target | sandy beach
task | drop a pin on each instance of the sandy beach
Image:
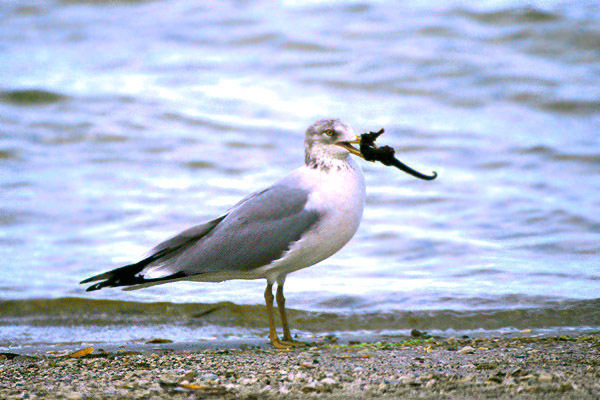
(523, 367)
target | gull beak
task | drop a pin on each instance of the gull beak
(348, 146)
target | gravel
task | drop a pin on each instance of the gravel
(564, 367)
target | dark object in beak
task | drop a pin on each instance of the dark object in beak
(348, 146)
(385, 155)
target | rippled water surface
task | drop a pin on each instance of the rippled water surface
(125, 122)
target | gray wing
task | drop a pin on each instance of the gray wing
(132, 274)
(186, 238)
(255, 232)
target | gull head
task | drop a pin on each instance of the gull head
(329, 142)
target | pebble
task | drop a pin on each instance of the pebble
(406, 379)
(327, 381)
(511, 368)
(545, 377)
(210, 377)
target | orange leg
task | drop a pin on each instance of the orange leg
(287, 337)
(272, 332)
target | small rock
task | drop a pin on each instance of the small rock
(247, 381)
(364, 353)
(467, 350)
(510, 381)
(485, 365)
(498, 377)
(516, 372)
(310, 388)
(417, 333)
(8, 356)
(188, 377)
(545, 377)
(210, 377)
(528, 377)
(266, 389)
(565, 387)
(284, 389)
(327, 381)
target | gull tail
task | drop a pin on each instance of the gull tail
(131, 275)
(128, 275)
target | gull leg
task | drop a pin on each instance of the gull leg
(287, 337)
(272, 332)
(281, 306)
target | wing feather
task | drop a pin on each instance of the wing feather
(255, 232)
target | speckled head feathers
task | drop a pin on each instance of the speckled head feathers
(322, 137)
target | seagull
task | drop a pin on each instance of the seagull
(302, 219)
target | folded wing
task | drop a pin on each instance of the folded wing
(255, 232)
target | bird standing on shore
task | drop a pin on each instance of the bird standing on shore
(300, 220)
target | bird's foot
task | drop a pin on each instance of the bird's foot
(280, 344)
(295, 343)
(287, 343)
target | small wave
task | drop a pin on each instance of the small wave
(85, 312)
(555, 155)
(511, 16)
(9, 154)
(31, 97)
(580, 107)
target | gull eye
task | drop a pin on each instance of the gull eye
(329, 132)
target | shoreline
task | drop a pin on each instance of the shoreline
(525, 367)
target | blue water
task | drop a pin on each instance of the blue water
(125, 122)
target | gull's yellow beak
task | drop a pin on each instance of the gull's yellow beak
(348, 146)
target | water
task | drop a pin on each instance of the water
(123, 123)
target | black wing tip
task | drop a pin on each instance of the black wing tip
(100, 277)
(106, 282)
(97, 286)
(113, 281)
(128, 275)
(117, 281)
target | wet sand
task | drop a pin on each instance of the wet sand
(559, 367)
